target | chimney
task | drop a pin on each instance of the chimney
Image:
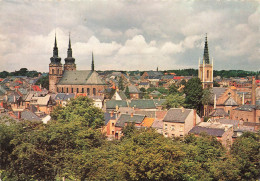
(38, 108)
(182, 109)
(132, 115)
(19, 114)
(253, 95)
(194, 117)
(116, 107)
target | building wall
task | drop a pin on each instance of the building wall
(55, 74)
(69, 67)
(247, 116)
(206, 77)
(78, 89)
(172, 129)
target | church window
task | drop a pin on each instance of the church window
(52, 71)
(62, 89)
(71, 90)
(67, 90)
(58, 71)
(94, 91)
(57, 89)
(82, 90)
(77, 90)
(207, 73)
(88, 91)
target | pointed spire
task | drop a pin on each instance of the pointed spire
(206, 51)
(55, 42)
(55, 48)
(69, 41)
(69, 52)
(92, 64)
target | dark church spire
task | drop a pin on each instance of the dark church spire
(92, 64)
(69, 60)
(69, 52)
(206, 51)
(55, 48)
(55, 59)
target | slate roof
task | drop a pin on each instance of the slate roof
(235, 123)
(64, 96)
(218, 112)
(81, 77)
(158, 124)
(150, 114)
(126, 118)
(158, 102)
(133, 89)
(218, 91)
(154, 73)
(41, 100)
(112, 104)
(28, 115)
(248, 107)
(230, 102)
(107, 117)
(144, 83)
(209, 131)
(176, 115)
(142, 104)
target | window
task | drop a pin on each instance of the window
(94, 91)
(166, 134)
(57, 89)
(113, 132)
(165, 126)
(77, 90)
(82, 90)
(207, 73)
(181, 135)
(67, 90)
(58, 71)
(52, 71)
(173, 135)
(88, 91)
(181, 128)
(172, 127)
(71, 90)
(228, 112)
(113, 124)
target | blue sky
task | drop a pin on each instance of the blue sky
(130, 35)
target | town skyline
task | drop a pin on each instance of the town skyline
(130, 35)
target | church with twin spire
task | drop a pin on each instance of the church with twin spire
(67, 79)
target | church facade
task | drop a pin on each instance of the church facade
(205, 71)
(67, 79)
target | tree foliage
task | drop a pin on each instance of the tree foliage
(127, 93)
(44, 81)
(174, 101)
(194, 92)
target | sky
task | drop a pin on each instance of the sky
(130, 34)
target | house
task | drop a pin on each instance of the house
(44, 104)
(119, 95)
(115, 104)
(179, 121)
(134, 92)
(109, 126)
(145, 85)
(125, 119)
(63, 98)
(223, 132)
(218, 113)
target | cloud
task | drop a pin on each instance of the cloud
(130, 34)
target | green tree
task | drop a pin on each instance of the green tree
(127, 93)
(142, 89)
(44, 81)
(194, 92)
(173, 89)
(174, 101)
(121, 84)
(245, 150)
(206, 99)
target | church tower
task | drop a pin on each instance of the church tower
(206, 68)
(55, 69)
(69, 61)
(92, 64)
